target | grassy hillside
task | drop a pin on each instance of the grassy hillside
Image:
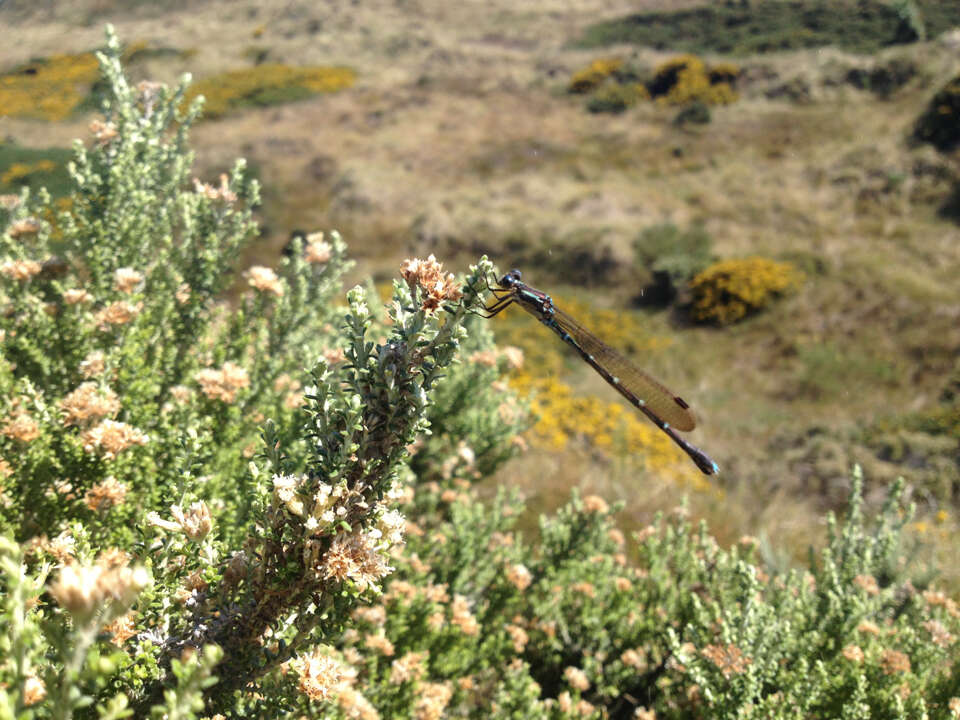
(458, 136)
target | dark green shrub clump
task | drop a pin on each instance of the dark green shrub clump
(940, 124)
(673, 256)
(616, 98)
(884, 79)
(743, 28)
(696, 113)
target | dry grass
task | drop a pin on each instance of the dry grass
(458, 138)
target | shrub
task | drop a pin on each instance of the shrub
(59, 86)
(591, 77)
(940, 124)
(268, 84)
(133, 398)
(617, 98)
(883, 79)
(686, 78)
(50, 89)
(724, 72)
(696, 113)
(33, 168)
(567, 624)
(673, 256)
(732, 289)
(747, 28)
(923, 446)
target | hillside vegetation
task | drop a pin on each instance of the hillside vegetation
(770, 227)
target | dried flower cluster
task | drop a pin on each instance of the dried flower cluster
(729, 659)
(34, 691)
(110, 438)
(195, 523)
(519, 577)
(265, 280)
(354, 557)
(26, 226)
(93, 364)
(126, 279)
(75, 296)
(321, 675)
(317, 251)
(432, 701)
(120, 312)
(82, 590)
(21, 426)
(20, 269)
(217, 194)
(104, 495)
(868, 583)
(409, 668)
(853, 653)
(88, 403)
(428, 276)
(103, 132)
(576, 678)
(462, 617)
(894, 661)
(224, 383)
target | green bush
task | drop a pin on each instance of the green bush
(884, 79)
(696, 113)
(616, 98)
(33, 168)
(673, 257)
(134, 399)
(745, 28)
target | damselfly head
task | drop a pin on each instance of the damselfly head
(510, 278)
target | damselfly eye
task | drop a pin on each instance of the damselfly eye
(510, 278)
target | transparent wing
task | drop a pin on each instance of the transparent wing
(656, 397)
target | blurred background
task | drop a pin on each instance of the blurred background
(758, 201)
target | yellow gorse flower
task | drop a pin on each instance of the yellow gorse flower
(264, 84)
(730, 290)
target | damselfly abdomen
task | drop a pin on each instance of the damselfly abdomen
(667, 411)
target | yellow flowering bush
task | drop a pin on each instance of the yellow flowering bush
(679, 81)
(50, 89)
(610, 427)
(687, 78)
(19, 171)
(267, 85)
(730, 290)
(54, 88)
(591, 77)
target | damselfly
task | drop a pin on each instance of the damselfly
(666, 410)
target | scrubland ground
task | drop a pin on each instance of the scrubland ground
(459, 138)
